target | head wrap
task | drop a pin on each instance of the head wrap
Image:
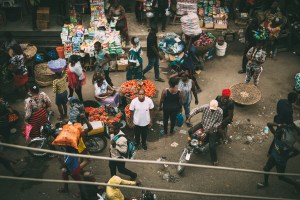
(226, 92)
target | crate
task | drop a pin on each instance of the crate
(43, 14)
(41, 25)
(209, 25)
(220, 26)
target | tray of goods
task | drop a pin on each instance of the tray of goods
(57, 65)
(245, 94)
(130, 89)
(205, 42)
(104, 114)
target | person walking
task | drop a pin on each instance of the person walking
(211, 120)
(256, 59)
(171, 104)
(278, 155)
(141, 109)
(36, 110)
(118, 146)
(153, 54)
(102, 62)
(135, 65)
(249, 41)
(76, 76)
(285, 109)
(187, 88)
(61, 93)
(160, 7)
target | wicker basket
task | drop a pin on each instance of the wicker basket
(29, 50)
(43, 73)
(43, 83)
(204, 49)
(245, 94)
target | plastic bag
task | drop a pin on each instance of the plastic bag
(26, 131)
(179, 119)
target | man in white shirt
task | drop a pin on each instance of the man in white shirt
(141, 109)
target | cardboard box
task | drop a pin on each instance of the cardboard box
(43, 14)
(209, 25)
(41, 25)
(220, 26)
(122, 64)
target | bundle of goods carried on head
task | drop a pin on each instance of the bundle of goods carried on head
(57, 65)
(131, 88)
(104, 113)
(69, 136)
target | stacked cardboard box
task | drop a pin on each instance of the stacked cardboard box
(43, 18)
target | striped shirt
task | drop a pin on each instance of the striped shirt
(210, 119)
(60, 85)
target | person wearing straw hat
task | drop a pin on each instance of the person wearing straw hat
(212, 118)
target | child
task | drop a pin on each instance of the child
(102, 62)
(70, 166)
(60, 89)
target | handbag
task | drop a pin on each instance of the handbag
(179, 119)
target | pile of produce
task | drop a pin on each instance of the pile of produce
(12, 117)
(101, 114)
(131, 88)
(127, 112)
(205, 39)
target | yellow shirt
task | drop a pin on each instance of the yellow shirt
(60, 85)
(113, 193)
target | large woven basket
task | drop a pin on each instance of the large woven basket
(29, 50)
(43, 73)
(245, 94)
(43, 83)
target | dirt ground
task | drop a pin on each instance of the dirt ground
(276, 81)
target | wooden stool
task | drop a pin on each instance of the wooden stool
(176, 19)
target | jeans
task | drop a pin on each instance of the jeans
(153, 61)
(212, 141)
(113, 165)
(187, 108)
(140, 132)
(78, 92)
(280, 167)
(172, 116)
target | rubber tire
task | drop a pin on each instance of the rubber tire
(38, 143)
(99, 138)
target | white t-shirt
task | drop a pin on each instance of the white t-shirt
(141, 111)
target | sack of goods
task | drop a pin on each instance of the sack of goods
(69, 136)
(190, 24)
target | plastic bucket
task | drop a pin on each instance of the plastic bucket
(221, 49)
(60, 52)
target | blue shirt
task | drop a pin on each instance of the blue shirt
(71, 162)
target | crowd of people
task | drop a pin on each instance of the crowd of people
(216, 115)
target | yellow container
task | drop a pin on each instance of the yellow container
(98, 127)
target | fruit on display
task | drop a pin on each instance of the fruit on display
(205, 39)
(12, 117)
(131, 88)
(100, 114)
(127, 111)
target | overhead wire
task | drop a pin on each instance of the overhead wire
(150, 161)
(146, 188)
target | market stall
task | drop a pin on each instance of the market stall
(79, 40)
